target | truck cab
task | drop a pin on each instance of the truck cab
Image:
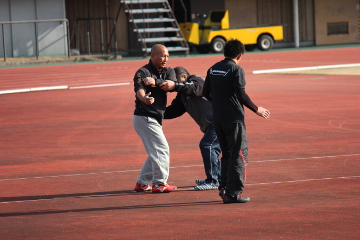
(212, 35)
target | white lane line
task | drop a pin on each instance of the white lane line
(100, 85)
(188, 166)
(303, 180)
(15, 91)
(292, 159)
(36, 89)
(63, 87)
(57, 198)
(305, 68)
(118, 194)
(69, 175)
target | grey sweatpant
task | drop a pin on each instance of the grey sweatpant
(156, 166)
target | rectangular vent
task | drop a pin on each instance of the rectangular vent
(338, 28)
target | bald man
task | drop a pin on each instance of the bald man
(150, 105)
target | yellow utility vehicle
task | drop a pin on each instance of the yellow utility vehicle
(216, 31)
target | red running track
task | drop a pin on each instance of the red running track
(83, 74)
(69, 158)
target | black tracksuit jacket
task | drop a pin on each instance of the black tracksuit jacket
(225, 87)
(189, 99)
(157, 109)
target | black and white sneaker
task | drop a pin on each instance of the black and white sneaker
(206, 186)
(199, 181)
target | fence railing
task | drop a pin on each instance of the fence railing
(36, 33)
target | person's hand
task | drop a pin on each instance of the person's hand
(149, 81)
(168, 85)
(147, 99)
(262, 112)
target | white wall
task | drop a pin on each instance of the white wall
(20, 38)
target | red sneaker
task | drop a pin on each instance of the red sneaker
(142, 188)
(163, 188)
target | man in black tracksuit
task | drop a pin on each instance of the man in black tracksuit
(225, 87)
(189, 99)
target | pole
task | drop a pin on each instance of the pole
(68, 38)
(36, 41)
(296, 23)
(3, 35)
(115, 39)
(88, 36)
(101, 37)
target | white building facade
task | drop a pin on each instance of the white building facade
(33, 28)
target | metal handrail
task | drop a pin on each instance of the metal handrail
(36, 33)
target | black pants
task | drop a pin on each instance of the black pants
(234, 147)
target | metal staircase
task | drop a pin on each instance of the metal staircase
(154, 22)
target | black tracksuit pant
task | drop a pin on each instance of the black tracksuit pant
(234, 147)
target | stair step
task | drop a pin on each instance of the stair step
(142, 1)
(135, 8)
(148, 10)
(152, 20)
(154, 30)
(162, 39)
(170, 49)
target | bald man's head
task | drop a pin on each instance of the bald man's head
(159, 55)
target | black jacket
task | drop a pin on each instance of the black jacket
(225, 87)
(157, 109)
(189, 99)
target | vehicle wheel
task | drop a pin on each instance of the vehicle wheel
(265, 42)
(217, 45)
(203, 48)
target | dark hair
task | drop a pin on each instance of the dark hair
(233, 48)
(180, 71)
